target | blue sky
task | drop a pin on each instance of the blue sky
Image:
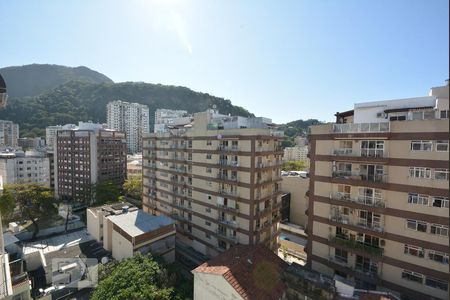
(281, 59)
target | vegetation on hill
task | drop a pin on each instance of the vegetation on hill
(82, 101)
(296, 128)
(32, 80)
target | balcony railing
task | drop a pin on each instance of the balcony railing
(227, 148)
(225, 207)
(223, 191)
(231, 163)
(374, 153)
(359, 176)
(231, 238)
(365, 200)
(361, 127)
(228, 178)
(344, 219)
(229, 223)
(353, 244)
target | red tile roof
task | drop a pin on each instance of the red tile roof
(253, 271)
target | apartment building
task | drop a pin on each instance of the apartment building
(124, 230)
(50, 134)
(130, 118)
(25, 167)
(9, 133)
(169, 118)
(219, 177)
(86, 155)
(295, 153)
(379, 196)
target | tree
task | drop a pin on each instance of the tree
(296, 165)
(133, 186)
(106, 192)
(34, 201)
(7, 204)
(139, 277)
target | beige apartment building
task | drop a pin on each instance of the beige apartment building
(219, 177)
(379, 196)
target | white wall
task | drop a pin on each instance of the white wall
(212, 286)
(121, 247)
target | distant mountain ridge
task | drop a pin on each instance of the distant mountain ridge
(82, 95)
(32, 80)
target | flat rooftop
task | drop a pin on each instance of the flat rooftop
(138, 222)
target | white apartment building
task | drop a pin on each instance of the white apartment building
(295, 153)
(166, 118)
(9, 133)
(25, 167)
(50, 133)
(130, 118)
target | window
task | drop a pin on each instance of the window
(439, 229)
(412, 276)
(442, 146)
(418, 172)
(340, 255)
(436, 283)
(208, 156)
(421, 145)
(207, 223)
(417, 199)
(207, 236)
(441, 174)
(208, 210)
(208, 143)
(416, 225)
(438, 256)
(444, 114)
(440, 202)
(372, 148)
(414, 251)
(208, 170)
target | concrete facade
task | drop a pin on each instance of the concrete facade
(9, 133)
(297, 186)
(130, 118)
(222, 185)
(378, 196)
(25, 167)
(295, 153)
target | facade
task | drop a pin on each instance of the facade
(86, 155)
(125, 230)
(31, 143)
(134, 164)
(300, 141)
(50, 134)
(166, 118)
(9, 133)
(295, 153)
(242, 272)
(378, 198)
(221, 181)
(25, 167)
(297, 186)
(130, 118)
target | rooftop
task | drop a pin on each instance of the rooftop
(138, 222)
(253, 271)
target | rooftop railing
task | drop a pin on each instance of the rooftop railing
(361, 127)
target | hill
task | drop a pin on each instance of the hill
(83, 101)
(32, 80)
(296, 128)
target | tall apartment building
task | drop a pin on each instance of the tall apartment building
(25, 167)
(131, 118)
(9, 133)
(86, 155)
(219, 178)
(379, 196)
(295, 153)
(169, 118)
(50, 134)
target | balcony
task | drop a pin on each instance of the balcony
(380, 178)
(345, 219)
(228, 223)
(372, 153)
(226, 192)
(353, 244)
(339, 261)
(227, 178)
(229, 163)
(228, 208)
(229, 237)
(227, 148)
(364, 200)
(178, 217)
(361, 127)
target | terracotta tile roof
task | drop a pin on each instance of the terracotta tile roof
(253, 271)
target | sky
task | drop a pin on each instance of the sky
(282, 59)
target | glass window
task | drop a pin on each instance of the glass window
(441, 174)
(444, 114)
(442, 146)
(412, 276)
(438, 256)
(436, 283)
(416, 225)
(439, 229)
(419, 172)
(421, 145)
(417, 199)
(440, 202)
(414, 251)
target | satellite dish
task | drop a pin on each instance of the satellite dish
(104, 260)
